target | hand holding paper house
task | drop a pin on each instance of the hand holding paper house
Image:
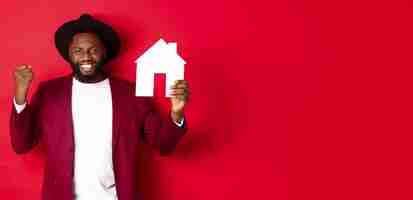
(162, 57)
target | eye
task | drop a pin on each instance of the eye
(95, 50)
(76, 51)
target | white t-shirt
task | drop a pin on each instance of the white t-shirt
(92, 122)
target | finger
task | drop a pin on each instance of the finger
(20, 67)
(180, 95)
(175, 94)
(23, 73)
(178, 91)
(26, 69)
(179, 86)
(177, 82)
(174, 87)
(26, 66)
(182, 85)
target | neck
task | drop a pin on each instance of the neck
(91, 79)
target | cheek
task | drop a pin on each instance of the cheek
(98, 58)
(74, 58)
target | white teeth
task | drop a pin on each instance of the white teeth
(87, 66)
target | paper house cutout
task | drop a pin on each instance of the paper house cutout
(161, 58)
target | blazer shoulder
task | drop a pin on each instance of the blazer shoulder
(129, 87)
(126, 84)
(55, 83)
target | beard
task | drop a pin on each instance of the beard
(91, 78)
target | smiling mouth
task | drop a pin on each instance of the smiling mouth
(86, 67)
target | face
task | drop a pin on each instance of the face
(87, 54)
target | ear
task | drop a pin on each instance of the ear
(105, 53)
(69, 53)
(69, 47)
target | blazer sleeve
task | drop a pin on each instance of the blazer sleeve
(161, 132)
(25, 126)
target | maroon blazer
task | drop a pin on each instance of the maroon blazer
(48, 117)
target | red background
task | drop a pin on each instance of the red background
(291, 99)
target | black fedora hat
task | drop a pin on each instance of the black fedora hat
(86, 23)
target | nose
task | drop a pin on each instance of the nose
(86, 56)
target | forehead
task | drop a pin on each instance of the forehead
(86, 38)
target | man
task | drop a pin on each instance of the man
(90, 123)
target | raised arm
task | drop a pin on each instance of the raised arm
(162, 133)
(165, 133)
(24, 130)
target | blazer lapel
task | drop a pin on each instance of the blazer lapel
(116, 103)
(64, 98)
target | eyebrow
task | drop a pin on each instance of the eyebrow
(72, 46)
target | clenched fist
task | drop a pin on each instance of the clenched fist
(23, 76)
